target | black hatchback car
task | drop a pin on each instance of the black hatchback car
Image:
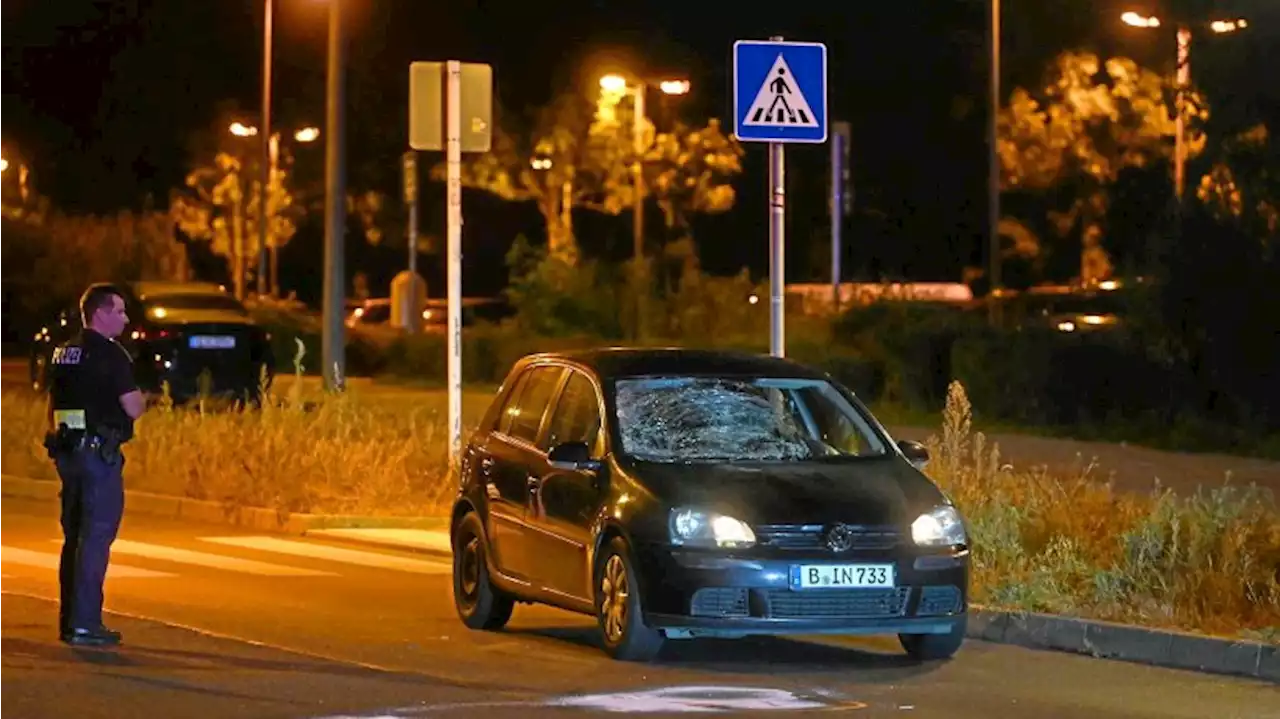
(193, 337)
(676, 494)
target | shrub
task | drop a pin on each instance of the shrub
(1209, 562)
(909, 346)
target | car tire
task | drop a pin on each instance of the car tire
(618, 607)
(479, 604)
(933, 647)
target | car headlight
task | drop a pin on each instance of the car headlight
(692, 528)
(939, 527)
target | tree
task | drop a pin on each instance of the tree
(1069, 143)
(221, 206)
(565, 161)
(1243, 186)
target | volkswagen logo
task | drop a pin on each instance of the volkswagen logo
(840, 538)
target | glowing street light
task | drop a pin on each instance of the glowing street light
(1223, 27)
(674, 87)
(4, 164)
(240, 129)
(613, 83)
(1183, 79)
(1136, 20)
(540, 163)
(307, 134)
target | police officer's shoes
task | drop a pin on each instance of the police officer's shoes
(91, 637)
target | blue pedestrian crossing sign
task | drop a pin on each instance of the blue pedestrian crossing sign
(780, 91)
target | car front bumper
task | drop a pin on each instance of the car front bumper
(690, 593)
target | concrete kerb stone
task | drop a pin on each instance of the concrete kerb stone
(1123, 642)
(1158, 647)
(196, 510)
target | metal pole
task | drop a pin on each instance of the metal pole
(1180, 139)
(642, 276)
(265, 132)
(777, 248)
(837, 214)
(274, 286)
(777, 243)
(993, 165)
(411, 310)
(453, 160)
(334, 342)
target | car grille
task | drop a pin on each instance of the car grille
(814, 536)
(838, 603)
(728, 602)
(937, 601)
(720, 602)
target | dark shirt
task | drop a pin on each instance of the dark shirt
(91, 373)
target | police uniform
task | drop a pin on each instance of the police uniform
(88, 375)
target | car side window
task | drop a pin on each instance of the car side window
(510, 407)
(577, 415)
(526, 414)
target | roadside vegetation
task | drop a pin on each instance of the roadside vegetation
(1048, 543)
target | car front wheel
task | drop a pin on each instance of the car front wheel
(618, 609)
(480, 605)
(931, 647)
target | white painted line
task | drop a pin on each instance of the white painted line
(216, 561)
(46, 560)
(335, 554)
(435, 540)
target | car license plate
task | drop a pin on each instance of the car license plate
(843, 576)
(212, 342)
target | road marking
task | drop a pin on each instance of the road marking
(216, 561)
(45, 560)
(336, 554)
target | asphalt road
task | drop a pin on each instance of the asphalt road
(222, 623)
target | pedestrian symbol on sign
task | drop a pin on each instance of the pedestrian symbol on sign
(780, 103)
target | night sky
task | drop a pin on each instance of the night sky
(106, 100)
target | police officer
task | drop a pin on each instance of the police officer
(93, 401)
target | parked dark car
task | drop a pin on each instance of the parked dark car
(186, 334)
(676, 494)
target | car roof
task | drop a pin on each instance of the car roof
(613, 362)
(155, 288)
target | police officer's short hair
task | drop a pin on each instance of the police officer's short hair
(96, 297)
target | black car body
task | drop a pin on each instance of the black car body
(193, 337)
(722, 495)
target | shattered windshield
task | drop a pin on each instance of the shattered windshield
(726, 419)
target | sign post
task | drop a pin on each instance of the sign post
(779, 97)
(451, 109)
(411, 310)
(840, 203)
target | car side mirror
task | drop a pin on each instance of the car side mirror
(917, 454)
(574, 457)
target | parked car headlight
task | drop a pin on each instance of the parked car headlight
(693, 528)
(939, 527)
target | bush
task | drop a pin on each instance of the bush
(909, 346)
(1069, 545)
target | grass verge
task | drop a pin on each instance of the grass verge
(1070, 545)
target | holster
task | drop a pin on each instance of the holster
(105, 442)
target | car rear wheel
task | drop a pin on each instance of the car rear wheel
(618, 608)
(931, 647)
(480, 605)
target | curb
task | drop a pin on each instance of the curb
(1124, 642)
(197, 510)
(1103, 640)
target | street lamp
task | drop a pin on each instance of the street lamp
(305, 135)
(1183, 79)
(614, 84)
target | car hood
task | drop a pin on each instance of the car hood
(871, 491)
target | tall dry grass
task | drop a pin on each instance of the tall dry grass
(1071, 545)
(344, 454)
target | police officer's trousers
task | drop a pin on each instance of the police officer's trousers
(92, 507)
